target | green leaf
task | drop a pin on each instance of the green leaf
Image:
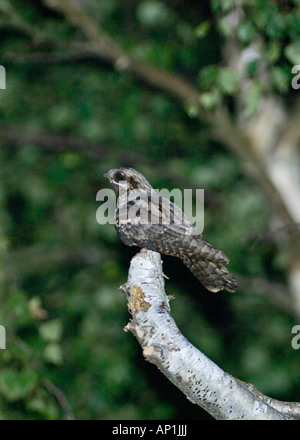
(154, 13)
(246, 32)
(292, 52)
(225, 28)
(192, 110)
(253, 99)
(53, 354)
(202, 30)
(228, 81)
(280, 79)
(210, 100)
(51, 330)
(70, 160)
(18, 305)
(273, 52)
(222, 5)
(37, 404)
(16, 385)
(208, 76)
(252, 67)
(42, 406)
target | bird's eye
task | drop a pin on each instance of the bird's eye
(119, 176)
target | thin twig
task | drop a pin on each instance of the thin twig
(61, 399)
(61, 142)
(291, 409)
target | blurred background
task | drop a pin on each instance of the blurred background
(193, 95)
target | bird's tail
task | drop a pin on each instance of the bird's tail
(212, 274)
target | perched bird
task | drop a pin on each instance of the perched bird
(145, 219)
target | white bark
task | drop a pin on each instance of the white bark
(273, 134)
(202, 381)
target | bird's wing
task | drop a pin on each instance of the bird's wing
(162, 226)
(164, 211)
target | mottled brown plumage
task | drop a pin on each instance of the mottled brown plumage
(165, 229)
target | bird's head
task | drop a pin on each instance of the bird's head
(127, 178)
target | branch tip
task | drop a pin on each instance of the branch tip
(129, 328)
(148, 351)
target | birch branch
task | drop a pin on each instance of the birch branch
(199, 378)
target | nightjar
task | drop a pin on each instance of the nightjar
(145, 219)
